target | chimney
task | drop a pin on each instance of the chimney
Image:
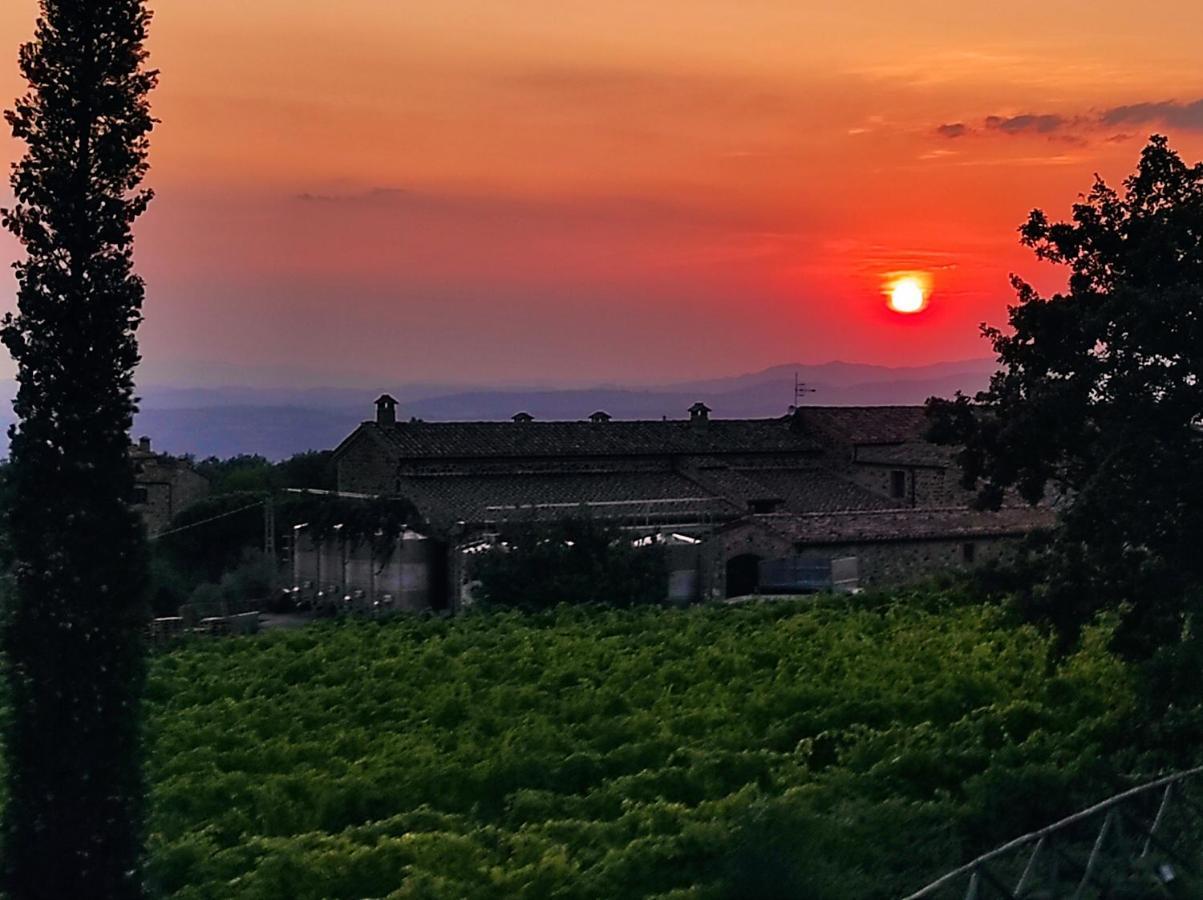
(599, 417)
(144, 444)
(386, 410)
(699, 413)
(523, 417)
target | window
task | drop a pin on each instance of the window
(898, 484)
(141, 496)
(968, 552)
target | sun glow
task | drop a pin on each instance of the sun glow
(908, 294)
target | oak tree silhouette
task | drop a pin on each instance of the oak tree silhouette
(1099, 401)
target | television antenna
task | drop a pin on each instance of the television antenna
(801, 390)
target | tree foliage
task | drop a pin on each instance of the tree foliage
(578, 560)
(218, 540)
(251, 472)
(1099, 401)
(72, 823)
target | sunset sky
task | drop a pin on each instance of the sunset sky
(562, 191)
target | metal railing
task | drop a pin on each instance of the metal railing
(1135, 844)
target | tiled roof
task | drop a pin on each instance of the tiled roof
(467, 440)
(657, 471)
(865, 424)
(906, 524)
(476, 499)
(728, 483)
(708, 494)
(912, 453)
(807, 431)
(810, 490)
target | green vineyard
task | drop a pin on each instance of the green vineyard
(839, 749)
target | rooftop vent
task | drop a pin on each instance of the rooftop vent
(386, 410)
(523, 417)
(599, 417)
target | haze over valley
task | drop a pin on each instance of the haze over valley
(277, 422)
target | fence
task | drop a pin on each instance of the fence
(1144, 842)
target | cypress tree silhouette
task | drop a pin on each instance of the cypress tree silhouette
(73, 820)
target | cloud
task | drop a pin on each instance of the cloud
(1027, 124)
(1050, 126)
(372, 196)
(1171, 113)
(953, 130)
(1044, 125)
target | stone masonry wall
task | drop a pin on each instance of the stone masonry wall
(879, 563)
(169, 486)
(366, 468)
(925, 487)
(899, 562)
(156, 508)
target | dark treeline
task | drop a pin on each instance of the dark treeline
(245, 472)
(214, 549)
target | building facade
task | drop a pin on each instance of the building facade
(163, 486)
(824, 497)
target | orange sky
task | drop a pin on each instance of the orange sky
(574, 191)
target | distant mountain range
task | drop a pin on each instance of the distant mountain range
(277, 422)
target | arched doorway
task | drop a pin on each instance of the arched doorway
(743, 574)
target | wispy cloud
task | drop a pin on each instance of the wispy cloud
(371, 196)
(1171, 114)
(1186, 116)
(1027, 124)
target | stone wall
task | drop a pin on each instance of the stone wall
(879, 563)
(152, 500)
(897, 562)
(187, 487)
(365, 467)
(163, 487)
(924, 486)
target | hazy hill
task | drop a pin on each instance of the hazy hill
(277, 422)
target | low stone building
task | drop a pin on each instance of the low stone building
(163, 485)
(888, 546)
(744, 502)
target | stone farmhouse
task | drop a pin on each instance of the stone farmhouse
(163, 485)
(821, 498)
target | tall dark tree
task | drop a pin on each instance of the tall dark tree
(1099, 400)
(72, 637)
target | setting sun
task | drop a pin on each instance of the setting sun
(908, 294)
